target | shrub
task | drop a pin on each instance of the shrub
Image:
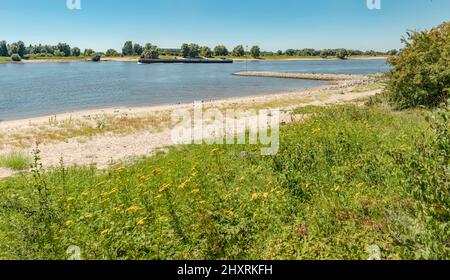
(16, 57)
(150, 52)
(96, 57)
(421, 71)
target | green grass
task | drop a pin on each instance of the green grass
(15, 161)
(338, 185)
(4, 59)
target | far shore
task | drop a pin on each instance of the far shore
(236, 59)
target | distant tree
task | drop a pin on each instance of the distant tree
(150, 52)
(342, 54)
(255, 51)
(194, 50)
(392, 52)
(138, 49)
(221, 50)
(58, 53)
(75, 52)
(324, 54)
(185, 50)
(64, 48)
(111, 52)
(206, 52)
(18, 48)
(290, 52)
(3, 48)
(88, 52)
(127, 48)
(239, 51)
(279, 52)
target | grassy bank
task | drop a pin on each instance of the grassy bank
(345, 179)
(4, 59)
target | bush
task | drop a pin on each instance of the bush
(15, 57)
(421, 71)
(96, 57)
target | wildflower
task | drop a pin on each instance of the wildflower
(158, 196)
(69, 199)
(183, 185)
(214, 151)
(104, 232)
(69, 222)
(266, 195)
(141, 222)
(360, 185)
(337, 188)
(164, 187)
(255, 196)
(101, 183)
(255, 216)
(229, 213)
(357, 195)
(121, 170)
(84, 193)
(156, 171)
(113, 191)
(88, 216)
(55, 238)
(116, 209)
(195, 191)
(242, 179)
(133, 209)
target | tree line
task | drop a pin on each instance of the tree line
(191, 50)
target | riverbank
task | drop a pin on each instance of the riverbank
(101, 137)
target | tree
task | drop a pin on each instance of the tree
(239, 51)
(88, 52)
(221, 50)
(127, 48)
(421, 74)
(279, 52)
(138, 49)
(255, 51)
(185, 50)
(18, 48)
(3, 48)
(324, 54)
(111, 52)
(194, 50)
(76, 52)
(150, 52)
(96, 57)
(342, 54)
(206, 52)
(392, 52)
(58, 53)
(64, 48)
(290, 52)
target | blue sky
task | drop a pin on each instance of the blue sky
(273, 25)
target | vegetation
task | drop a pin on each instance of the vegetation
(127, 48)
(15, 161)
(221, 50)
(238, 51)
(206, 52)
(15, 57)
(341, 182)
(421, 72)
(255, 52)
(150, 52)
(111, 52)
(96, 57)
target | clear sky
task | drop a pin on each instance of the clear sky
(102, 24)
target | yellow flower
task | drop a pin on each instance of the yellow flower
(357, 195)
(214, 151)
(113, 191)
(104, 232)
(360, 185)
(164, 187)
(121, 170)
(254, 216)
(229, 213)
(156, 171)
(88, 216)
(255, 196)
(183, 185)
(101, 183)
(69, 199)
(337, 188)
(158, 196)
(55, 238)
(85, 193)
(69, 222)
(141, 222)
(133, 209)
(266, 195)
(242, 179)
(195, 191)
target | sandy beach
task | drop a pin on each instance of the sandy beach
(105, 136)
